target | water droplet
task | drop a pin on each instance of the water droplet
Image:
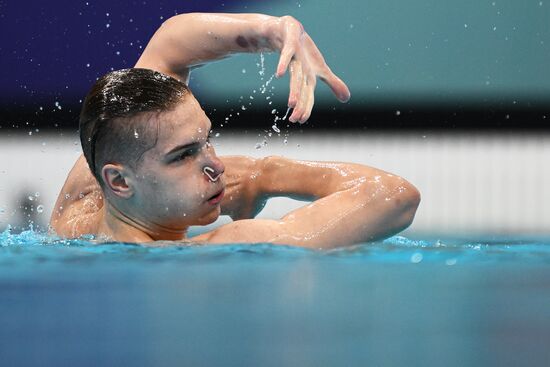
(243, 71)
(40, 209)
(30, 197)
(262, 66)
(37, 194)
(397, 113)
(286, 114)
(275, 128)
(243, 108)
(217, 135)
(136, 135)
(416, 258)
(258, 146)
(450, 262)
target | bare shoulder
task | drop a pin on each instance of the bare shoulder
(78, 207)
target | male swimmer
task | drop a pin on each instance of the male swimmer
(149, 172)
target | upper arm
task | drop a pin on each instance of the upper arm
(163, 54)
(365, 212)
(77, 207)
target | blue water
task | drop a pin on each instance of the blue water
(400, 302)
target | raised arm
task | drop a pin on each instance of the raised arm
(190, 40)
(353, 204)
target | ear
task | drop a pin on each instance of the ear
(116, 178)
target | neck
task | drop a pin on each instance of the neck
(121, 227)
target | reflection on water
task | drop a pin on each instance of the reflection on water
(432, 302)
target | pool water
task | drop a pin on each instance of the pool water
(399, 302)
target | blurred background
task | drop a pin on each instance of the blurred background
(454, 96)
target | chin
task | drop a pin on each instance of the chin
(209, 217)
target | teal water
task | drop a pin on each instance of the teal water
(431, 302)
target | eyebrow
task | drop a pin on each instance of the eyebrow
(178, 148)
(182, 147)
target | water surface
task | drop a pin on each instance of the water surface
(432, 302)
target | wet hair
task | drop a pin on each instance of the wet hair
(117, 121)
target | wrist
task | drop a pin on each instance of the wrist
(272, 31)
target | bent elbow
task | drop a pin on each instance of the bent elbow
(408, 202)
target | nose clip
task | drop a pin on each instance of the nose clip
(209, 171)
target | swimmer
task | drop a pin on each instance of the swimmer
(149, 172)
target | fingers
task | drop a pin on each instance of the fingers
(309, 104)
(296, 79)
(293, 32)
(338, 87)
(284, 60)
(302, 110)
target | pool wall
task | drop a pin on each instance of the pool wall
(471, 182)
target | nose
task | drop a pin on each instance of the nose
(213, 168)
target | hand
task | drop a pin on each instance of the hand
(242, 199)
(300, 54)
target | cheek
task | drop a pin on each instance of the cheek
(178, 191)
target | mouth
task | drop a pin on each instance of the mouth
(216, 198)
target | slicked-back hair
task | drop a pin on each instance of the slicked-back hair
(117, 121)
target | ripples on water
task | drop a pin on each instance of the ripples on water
(39, 247)
(432, 301)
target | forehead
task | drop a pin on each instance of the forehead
(184, 124)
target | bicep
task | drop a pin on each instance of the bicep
(362, 213)
(315, 225)
(163, 54)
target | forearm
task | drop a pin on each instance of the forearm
(311, 180)
(352, 203)
(189, 40)
(366, 212)
(371, 209)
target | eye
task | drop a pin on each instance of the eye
(184, 154)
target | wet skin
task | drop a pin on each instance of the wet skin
(169, 190)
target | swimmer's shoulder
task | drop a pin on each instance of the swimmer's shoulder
(78, 209)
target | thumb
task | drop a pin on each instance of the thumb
(338, 87)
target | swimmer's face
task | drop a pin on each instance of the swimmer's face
(171, 189)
